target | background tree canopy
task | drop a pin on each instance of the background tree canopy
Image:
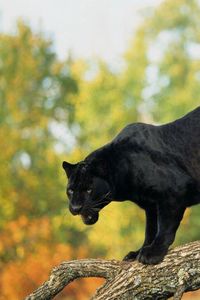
(52, 110)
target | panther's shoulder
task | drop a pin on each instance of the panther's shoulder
(137, 131)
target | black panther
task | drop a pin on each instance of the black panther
(156, 167)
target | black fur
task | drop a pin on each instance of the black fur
(157, 167)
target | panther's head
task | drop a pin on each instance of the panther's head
(87, 190)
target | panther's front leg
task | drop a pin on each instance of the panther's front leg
(150, 232)
(169, 218)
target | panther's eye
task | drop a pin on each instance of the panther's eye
(89, 191)
(70, 191)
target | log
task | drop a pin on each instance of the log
(178, 273)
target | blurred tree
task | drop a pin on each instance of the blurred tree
(35, 91)
(173, 39)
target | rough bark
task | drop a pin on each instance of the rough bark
(178, 273)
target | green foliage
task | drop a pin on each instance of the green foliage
(34, 94)
(173, 37)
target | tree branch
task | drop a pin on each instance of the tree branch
(178, 273)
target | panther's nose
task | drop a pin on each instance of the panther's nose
(75, 209)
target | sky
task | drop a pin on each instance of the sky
(87, 28)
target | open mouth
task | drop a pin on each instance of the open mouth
(90, 219)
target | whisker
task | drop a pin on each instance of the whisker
(108, 194)
(103, 197)
(95, 209)
(100, 206)
(100, 203)
(96, 206)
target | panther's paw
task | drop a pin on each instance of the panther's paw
(149, 256)
(131, 256)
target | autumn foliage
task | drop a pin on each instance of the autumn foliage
(33, 255)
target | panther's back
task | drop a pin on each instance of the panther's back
(183, 136)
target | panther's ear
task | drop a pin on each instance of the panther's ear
(69, 168)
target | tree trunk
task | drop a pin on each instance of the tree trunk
(178, 273)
